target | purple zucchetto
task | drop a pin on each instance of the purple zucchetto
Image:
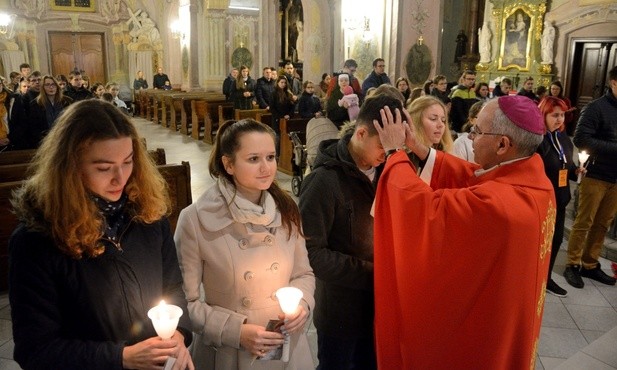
(523, 112)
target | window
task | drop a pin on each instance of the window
(73, 5)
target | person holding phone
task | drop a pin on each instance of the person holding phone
(241, 241)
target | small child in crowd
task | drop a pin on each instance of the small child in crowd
(309, 105)
(353, 103)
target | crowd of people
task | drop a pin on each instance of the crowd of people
(393, 213)
(33, 101)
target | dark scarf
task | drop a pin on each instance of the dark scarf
(114, 214)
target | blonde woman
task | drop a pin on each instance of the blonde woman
(430, 119)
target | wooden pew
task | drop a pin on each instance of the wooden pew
(286, 147)
(16, 156)
(155, 103)
(174, 104)
(148, 98)
(178, 178)
(211, 124)
(164, 103)
(181, 107)
(158, 155)
(205, 113)
(8, 223)
(14, 172)
(248, 113)
(265, 118)
(141, 102)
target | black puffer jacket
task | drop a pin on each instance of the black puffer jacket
(80, 314)
(596, 132)
(335, 204)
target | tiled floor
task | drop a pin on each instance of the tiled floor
(578, 332)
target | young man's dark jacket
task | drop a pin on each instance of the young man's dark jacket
(263, 92)
(335, 204)
(596, 132)
(78, 94)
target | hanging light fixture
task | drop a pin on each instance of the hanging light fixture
(6, 24)
(177, 31)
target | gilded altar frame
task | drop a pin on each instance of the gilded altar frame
(520, 32)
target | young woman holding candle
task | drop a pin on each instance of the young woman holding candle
(93, 251)
(241, 242)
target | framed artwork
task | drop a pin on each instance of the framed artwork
(516, 39)
(293, 27)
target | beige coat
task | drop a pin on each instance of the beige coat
(239, 265)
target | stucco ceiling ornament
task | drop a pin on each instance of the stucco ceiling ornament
(110, 10)
(31, 8)
(420, 15)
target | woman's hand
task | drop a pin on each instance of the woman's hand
(294, 323)
(581, 170)
(153, 352)
(257, 340)
(183, 357)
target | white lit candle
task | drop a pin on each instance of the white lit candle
(289, 299)
(582, 159)
(165, 319)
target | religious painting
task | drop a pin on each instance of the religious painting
(293, 26)
(516, 40)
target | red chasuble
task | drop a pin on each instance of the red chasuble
(461, 266)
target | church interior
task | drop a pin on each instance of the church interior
(197, 42)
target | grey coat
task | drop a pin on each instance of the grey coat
(240, 266)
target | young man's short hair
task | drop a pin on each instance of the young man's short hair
(371, 110)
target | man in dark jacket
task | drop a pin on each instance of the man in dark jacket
(378, 77)
(264, 89)
(527, 90)
(335, 204)
(158, 82)
(75, 89)
(293, 83)
(230, 83)
(596, 132)
(20, 133)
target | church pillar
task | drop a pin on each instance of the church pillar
(473, 28)
(194, 47)
(119, 69)
(216, 54)
(471, 57)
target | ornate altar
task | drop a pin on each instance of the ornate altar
(515, 33)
